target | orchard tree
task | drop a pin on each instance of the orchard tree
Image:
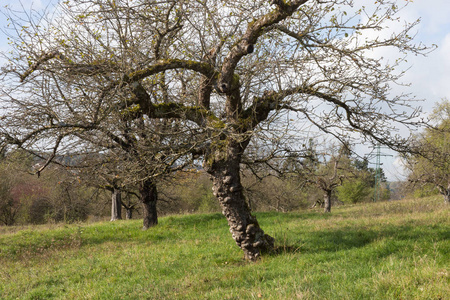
(96, 170)
(133, 158)
(430, 161)
(230, 71)
(327, 179)
(65, 117)
(326, 170)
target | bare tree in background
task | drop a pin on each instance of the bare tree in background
(62, 115)
(234, 71)
(330, 174)
(325, 169)
(139, 154)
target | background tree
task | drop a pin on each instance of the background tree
(359, 187)
(131, 158)
(279, 193)
(233, 68)
(430, 161)
(354, 191)
(188, 191)
(328, 172)
(270, 173)
(66, 116)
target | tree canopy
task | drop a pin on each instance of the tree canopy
(430, 161)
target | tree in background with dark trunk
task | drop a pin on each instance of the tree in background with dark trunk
(149, 198)
(99, 136)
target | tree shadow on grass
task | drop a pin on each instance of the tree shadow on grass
(271, 216)
(395, 238)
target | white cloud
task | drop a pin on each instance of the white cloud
(398, 171)
(434, 15)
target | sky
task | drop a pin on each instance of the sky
(429, 76)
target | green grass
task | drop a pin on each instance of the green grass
(390, 250)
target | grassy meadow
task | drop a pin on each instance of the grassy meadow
(386, 250)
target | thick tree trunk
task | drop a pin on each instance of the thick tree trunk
(327, 201)
(116, 206)
(224, 169)
(447, 196)
(149, 197)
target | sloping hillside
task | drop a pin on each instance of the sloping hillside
(390, 250)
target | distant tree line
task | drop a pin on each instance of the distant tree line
(68, 194)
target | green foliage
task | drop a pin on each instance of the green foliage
(208, 203)
(385, 250)
(188, 192)
(425, 191)
(430, 164)
(354, 191)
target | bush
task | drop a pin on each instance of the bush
(273, 193)
(354, 191)
(187, 192)
(425, 191)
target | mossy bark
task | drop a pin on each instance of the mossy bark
(149, 198)
(224, 167)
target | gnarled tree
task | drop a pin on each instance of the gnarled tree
(232, 69)
(57, 112)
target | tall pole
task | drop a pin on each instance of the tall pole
(377, 188)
